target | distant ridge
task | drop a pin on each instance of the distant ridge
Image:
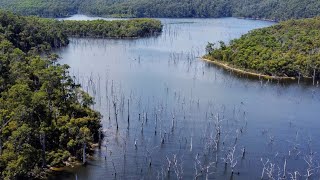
(257, 9)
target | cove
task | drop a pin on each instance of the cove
(178, 104)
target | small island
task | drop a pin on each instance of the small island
(132, 28)
(288, 50)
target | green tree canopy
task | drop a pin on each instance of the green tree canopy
(45, 118)
(290, 48)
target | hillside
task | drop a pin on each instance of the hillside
(44, 8)
(277, 9)
(265, 9)
(46, 119)
(290, 49)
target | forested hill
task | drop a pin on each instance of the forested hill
(44, 8)
(276, 9)
(264, 9)
(290, 48)
(45, 117)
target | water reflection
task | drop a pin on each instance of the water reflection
(168, 115)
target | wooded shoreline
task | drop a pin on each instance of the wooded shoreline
(245, 72)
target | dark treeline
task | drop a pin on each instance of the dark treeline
(97, 28)
(31, 33)
(114, 29)
(45, 118)
(263, 9)
(290, 48)
(44, 8)
(276, 9)
(158, 8)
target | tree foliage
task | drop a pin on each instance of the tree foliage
(44, 8)
(264, 9)
(290, 48)
(116, 29)
(42, 34)
(45, 118)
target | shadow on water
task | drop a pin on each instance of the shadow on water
(63, 175)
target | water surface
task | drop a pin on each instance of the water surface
(178, 103)
(80, 17)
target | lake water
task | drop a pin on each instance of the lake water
(80, 17)
(187, 118)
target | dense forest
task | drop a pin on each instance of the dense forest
(290, 48)
(45, 117)
(276, 9)
(44, 8)
(101, 28)
(113, 29)
(263, 9)
(64, 29)
(156, 8)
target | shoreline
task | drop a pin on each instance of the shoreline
(155, 17)
(244, 72)
(257, 19)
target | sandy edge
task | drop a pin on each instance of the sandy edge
(226, 66)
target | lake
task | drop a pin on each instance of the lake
(169, 115)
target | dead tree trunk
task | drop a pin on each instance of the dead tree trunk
(314, 76)
(84, 154)
(128, 113)
(100, 134)
(43, 144)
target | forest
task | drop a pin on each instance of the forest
(96, 29)
(113, 29)
(290, 48)
(263, 9)
(46, 119)
(44, 8)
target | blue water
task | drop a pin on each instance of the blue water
(183, 101)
